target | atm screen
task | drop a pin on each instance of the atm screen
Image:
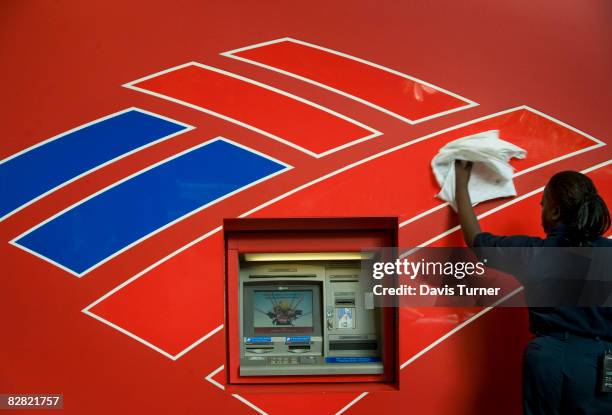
(277, 311)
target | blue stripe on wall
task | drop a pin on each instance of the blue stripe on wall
(49, 165)
(89, 233)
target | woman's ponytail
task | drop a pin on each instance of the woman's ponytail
(583, 212)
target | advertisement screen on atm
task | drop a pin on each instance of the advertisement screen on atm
(282, 311)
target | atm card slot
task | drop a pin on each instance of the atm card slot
(299, 348)
(345, 302)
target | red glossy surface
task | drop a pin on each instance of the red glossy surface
(287, 118)
(390, 91)
(400, 183)
(176, 303)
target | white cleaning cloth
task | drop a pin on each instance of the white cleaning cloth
(491, 175)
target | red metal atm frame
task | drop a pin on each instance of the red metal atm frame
(313, 234)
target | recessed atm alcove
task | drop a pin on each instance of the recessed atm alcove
(298, 311)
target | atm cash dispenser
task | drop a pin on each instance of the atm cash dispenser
(306, 318)
(298, 310)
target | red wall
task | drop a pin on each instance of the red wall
(64, 63)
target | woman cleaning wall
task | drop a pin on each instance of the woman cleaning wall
(562, 364)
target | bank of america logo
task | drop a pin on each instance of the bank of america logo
(122, 215)
(107, 224)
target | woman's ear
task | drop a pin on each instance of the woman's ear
(555, 213)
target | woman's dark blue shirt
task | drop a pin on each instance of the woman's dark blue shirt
(588, 321)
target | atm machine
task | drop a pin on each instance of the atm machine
(306, 318)
(298, 309)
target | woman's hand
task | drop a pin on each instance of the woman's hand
(463, 169)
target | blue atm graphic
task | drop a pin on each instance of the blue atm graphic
(42, 168)
(82, 237)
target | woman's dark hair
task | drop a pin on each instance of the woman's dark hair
(583, 211)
